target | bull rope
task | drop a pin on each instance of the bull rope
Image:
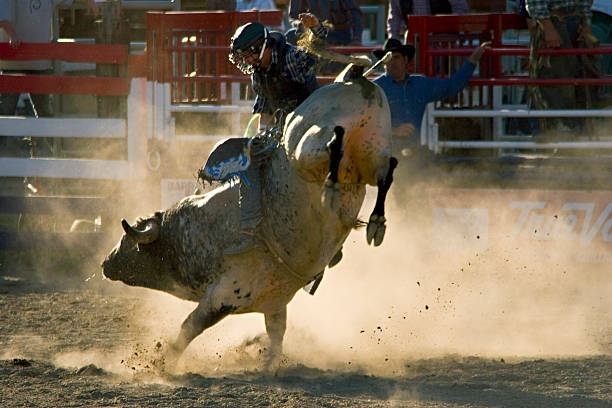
(278, 257)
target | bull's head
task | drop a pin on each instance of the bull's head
(139, 258)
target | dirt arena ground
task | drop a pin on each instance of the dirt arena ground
(397, 326)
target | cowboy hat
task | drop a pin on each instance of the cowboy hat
(394, 45)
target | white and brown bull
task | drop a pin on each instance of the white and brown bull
(311, 203)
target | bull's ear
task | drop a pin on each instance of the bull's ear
(149, 234)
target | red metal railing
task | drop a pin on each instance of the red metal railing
(503, 79)
(189, 51)
(444, 42)
(441, 38)
(445, 32)
(57, 84)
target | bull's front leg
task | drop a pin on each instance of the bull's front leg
(332, 195)
(276, 324)
(203, 317)
(376, 225)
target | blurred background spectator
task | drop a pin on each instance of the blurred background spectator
(246, 5)
(399, 10)
(488, 6)
(559, 25)
(208, 5)
(521, 10)
(344, 16)
(284, 6)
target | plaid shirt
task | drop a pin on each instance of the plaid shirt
(541, 8)
(395, 19)
(297, 66)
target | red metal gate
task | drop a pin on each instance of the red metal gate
(189, 51)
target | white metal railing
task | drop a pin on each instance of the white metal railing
(164, 123)
(61, 127)
(134, 128)
(430, 128)
(64, 168)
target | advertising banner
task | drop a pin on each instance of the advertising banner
(173, 190)
(477, 219)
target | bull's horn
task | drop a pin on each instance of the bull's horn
(146, 236)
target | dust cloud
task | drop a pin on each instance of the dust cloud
(417, 296)
(422, 294)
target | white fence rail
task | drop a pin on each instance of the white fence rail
(134, 128)
(64, 168)
(150, 117)
(430, 128)
(62, 127)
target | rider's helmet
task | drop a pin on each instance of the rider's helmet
(249, 39)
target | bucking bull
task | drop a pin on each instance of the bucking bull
(337, 141)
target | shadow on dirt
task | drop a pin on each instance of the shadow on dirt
(445, 380)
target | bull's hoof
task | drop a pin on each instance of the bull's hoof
(272, 362)
(332, 196)
(375, 232)
(171, 357)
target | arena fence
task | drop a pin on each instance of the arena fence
(185, 71)
(18, 126)
(189, 69)
(125, 126)
(444, 42)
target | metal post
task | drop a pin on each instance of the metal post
(497, 121)
(137, 128)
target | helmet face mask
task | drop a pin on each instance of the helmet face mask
(247, 46)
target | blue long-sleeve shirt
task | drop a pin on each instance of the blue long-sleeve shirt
(408, 98)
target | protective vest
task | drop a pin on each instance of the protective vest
(280, 91)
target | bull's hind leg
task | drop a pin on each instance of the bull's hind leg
(332, 196)
(376, 226)
(276, 324)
